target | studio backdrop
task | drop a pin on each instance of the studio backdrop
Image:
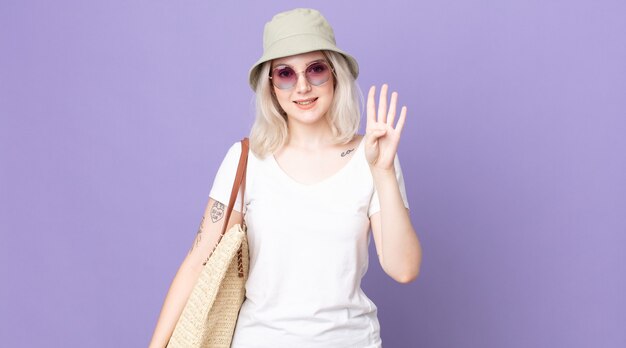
(115, 115)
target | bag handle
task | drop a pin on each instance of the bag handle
(240, 181)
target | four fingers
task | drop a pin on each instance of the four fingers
(382, 114)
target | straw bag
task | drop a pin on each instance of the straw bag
(209, 317)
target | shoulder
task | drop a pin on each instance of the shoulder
(231, 159)
(234, 153)
(234, 149)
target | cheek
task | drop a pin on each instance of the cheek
(279, 96)
(332, 87)
(283, 100)
(331, 92)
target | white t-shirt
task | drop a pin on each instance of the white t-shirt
(308, 252)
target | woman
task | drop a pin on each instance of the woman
(313, 189)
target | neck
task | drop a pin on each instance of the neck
(310, 136)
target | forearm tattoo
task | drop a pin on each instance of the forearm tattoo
(199, 233)
(345, 153)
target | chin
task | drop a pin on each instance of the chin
(307, 118)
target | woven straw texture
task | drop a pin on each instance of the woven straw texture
(209, 317)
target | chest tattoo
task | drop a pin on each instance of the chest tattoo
(345, 153)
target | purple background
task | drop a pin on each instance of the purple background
(116, 114)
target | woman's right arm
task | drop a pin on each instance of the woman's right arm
(190, 269)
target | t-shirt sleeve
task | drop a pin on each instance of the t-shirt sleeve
(375, 203)
(225, 177)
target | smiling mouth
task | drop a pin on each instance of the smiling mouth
(305, 102)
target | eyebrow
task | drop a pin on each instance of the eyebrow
(307, 64)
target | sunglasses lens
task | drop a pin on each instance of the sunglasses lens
(317, 73)
(284, 77)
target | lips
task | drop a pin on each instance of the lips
(305, 102)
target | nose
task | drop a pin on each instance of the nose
(302, 84)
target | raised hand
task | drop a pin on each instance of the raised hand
(381, 137)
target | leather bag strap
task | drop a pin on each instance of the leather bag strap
(240, 182)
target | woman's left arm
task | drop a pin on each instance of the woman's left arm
(397, 245)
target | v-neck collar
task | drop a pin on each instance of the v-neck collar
(325, 180)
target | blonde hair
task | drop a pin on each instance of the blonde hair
(270, 130)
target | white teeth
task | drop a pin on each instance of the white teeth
(307, 102)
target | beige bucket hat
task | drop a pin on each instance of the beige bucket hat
(297, 31)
